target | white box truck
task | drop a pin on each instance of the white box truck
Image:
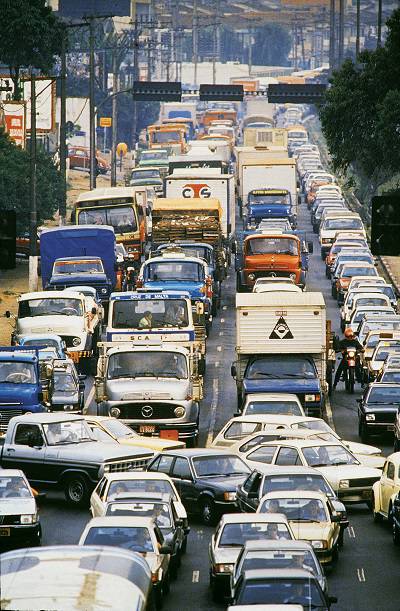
(248, 154)
(269, 174)
(281, 346)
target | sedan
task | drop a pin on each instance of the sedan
(377, 409)
(206, 479)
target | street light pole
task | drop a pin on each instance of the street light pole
(92, 107)
(33, 251)
(114, 121)
(63, 131)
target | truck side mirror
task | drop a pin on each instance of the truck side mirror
(233, 370)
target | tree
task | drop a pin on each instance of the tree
(15, 183)
(30, 35)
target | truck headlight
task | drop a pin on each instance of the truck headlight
(229, 496)
(115, 412)
(28, 518)
(370, 417)
(76, 341)
(309, 398)
(179, 411)
(344, 483)
(104, 291)
(252, 277)
(224, 568)
(292, 276)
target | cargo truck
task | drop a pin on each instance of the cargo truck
(281, 347)
(248, 154)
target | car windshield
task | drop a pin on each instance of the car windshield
(383, 352)
(278, 368)
(149, 313)
(276, 591)
(160, 512)
(147, 365)
(68, 431)
(352, 270)
(290, 408)
(150, 155)
(121, 218)
(48, 306)
(367, 326)
(329, 455)
(64, 382)
(236, 535)
(358, 314)
(118, 428)
(174, 271)
(12, 487)
(136, 539)
(276, 483)
(298, 510)
(302, 559)
(343, 223)
(277, 246)
(92, 266)
(14, 372)
(122, 488)
(387, 395)
(219, 466)
(238, 430)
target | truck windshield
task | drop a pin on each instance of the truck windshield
(269, 246)
(15, 372)
(121, 218)
(68, 431)
(92, 266)
(149, 314)
(156, 156)
(272, 367)
(66, 306)
(174, 271)
(141, 174)
(282, 198)
(64, 382)
(147, 365)
(167, 136)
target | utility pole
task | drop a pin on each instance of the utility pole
(341, 33)
(114, 120)
(63, 121)
(92, 107)
(216, 41)
(332, 25)
(358, 29)
(250, 61)
(195, 41)
(33, 250)
(135, 78)
(379, 39)
(295, 44)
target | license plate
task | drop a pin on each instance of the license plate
(147, 428)
(169, 434)
(4, 532)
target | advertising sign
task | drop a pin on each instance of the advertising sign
(14, 117)
(45, 104)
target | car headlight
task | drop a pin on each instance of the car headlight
(28, 518)
(229, 496)
(179, 411)
(309, 398)
(224, 568)
(252, 277)
(68, 408)
(115, 412)
(76, 341)
(319, 544)
(370, 417)
(104, 291)
(344, 483)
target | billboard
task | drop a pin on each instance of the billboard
(45, 104)
(14, 119)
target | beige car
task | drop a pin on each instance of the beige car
(385, 489)
(107, 428)
(311, 518)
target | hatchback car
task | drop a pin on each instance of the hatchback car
(19, 519)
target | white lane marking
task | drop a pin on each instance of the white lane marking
(222, 319)
(219, 348)
(221, 333)
(329, 415)
(195, 576)
(361, 575)
(224, 307)
(351, 532)
(213, 412)
(89, 397)
(216, 364)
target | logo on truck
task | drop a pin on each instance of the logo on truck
(196, 190)
(281, 330)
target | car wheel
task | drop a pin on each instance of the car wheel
(207, 512)
(396, 534)
(76, 491)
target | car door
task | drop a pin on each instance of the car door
(183, 479)
(27, 452)
(243, 491)
(97, 501)
(387, 485)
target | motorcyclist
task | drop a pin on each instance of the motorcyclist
(349, 341)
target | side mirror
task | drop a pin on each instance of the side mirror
(233, 370)
(335, 518)
(165, 549)
(310, 247)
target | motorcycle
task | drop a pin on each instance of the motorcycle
(350, 357)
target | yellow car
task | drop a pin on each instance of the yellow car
(386, 488)
(311, 518)
(106, 428)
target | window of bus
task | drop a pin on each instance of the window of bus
(121, 218)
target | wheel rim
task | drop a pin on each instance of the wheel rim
(207, 512)
(75, 491)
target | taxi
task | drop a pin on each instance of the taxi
(385, 490)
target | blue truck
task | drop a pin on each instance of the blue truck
(25, 383)
(265, 204)
(79, 256)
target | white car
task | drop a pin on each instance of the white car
(359, 299)
(385, 490)
(277, 286)
(272, 403)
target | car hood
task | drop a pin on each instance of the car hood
(96, 452)
(369, 460)
(362, 448)
(59, 324)
(335, 473)
(226, 555)
(18, 506)
(288, 385)
(310, 531)
(147, 389)
(226, 484)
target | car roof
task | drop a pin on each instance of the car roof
(194, 452)
(121, 521)
(249, 518)
(270, 419)
(48, 418)
(302, 443)
(145, 497)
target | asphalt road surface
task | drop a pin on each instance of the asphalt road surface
(367, 575)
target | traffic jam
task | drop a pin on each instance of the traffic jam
(114, 405)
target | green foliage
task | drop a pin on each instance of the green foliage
(272, 45)
(15, 183)
(30, 35)
(361, 116)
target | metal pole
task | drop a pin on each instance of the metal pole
(92, 107)
(295, 44)
(114, 122)
(250, 50)
(332, 37)
(379, 40)
(33, 251)
(195, 40)
(358, 28)
(341, 32)
(135, 78)
(63, 134)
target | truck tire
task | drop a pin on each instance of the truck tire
(76, 490)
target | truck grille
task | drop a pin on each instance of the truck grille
(157, 411)
(135, 464)
(273, 273)
(6, 415)
(363, 482)
(10, 520)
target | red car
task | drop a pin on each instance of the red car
(79, 157)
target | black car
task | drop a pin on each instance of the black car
(396, 519)
(377, 409)
(274, 479)
(206, 479)
(281, 587)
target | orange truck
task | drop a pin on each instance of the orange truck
(217, 114)
(172, 137)
(270, 254)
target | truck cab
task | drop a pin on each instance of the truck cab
(268, 204)
(73, 271)
(154, 389)
(266, 254)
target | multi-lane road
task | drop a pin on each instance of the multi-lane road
(367, 576)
